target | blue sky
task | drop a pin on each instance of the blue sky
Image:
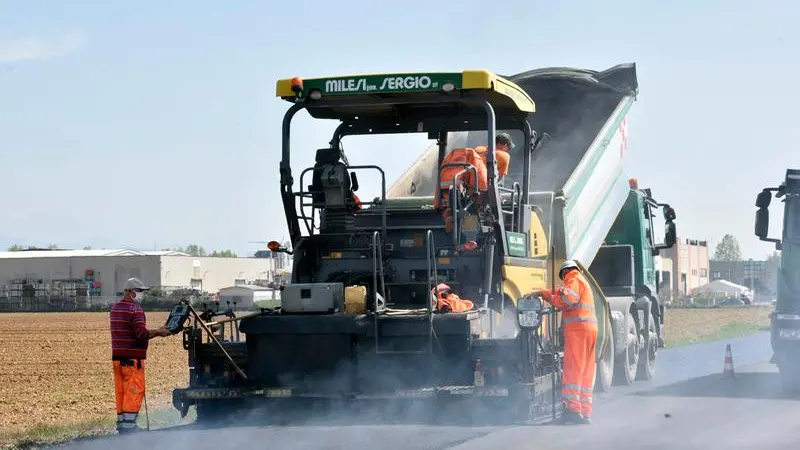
(154, 124)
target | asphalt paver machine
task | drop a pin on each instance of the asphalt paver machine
(360, 319)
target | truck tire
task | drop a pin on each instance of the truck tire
(627, 363)
(647, 357)
(605, 368)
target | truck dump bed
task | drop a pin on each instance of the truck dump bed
(583, 112)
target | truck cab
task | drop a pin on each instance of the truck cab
(785, 319)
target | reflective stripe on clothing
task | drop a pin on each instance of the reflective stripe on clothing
(580, 319)
(126, 421)
(570, 297)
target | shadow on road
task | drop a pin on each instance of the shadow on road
(752, 385)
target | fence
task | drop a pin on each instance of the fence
(160, 301)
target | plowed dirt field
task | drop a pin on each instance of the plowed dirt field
(56, 368)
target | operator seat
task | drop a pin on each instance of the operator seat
(330, 183)
(332, 190)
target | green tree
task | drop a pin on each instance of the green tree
(223, 254)
(728, 249)
(193, 249)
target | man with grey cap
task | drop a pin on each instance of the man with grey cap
(129, 340)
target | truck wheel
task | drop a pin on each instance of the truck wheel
(647, 357)
(605, 368)
(626, 364)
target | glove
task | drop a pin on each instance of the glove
(546, 295)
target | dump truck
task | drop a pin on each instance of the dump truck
(785, 318)
(363, 318)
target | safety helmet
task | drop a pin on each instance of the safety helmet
(568, 264)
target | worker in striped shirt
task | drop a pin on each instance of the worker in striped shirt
(129, 340)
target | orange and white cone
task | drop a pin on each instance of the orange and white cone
(728, 371)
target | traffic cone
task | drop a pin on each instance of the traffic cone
(728, 371)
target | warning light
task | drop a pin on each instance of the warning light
(274, 246)
(634, 184)
(470, 245)
(297, 85)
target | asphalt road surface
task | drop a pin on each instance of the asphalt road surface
(689, 406)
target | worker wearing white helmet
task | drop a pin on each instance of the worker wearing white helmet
(576, 300)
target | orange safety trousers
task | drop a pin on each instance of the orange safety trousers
(580, 365)
(130, 391)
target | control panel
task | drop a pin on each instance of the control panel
(177, 317)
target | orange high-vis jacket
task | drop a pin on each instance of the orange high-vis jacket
(576, 300)
(503, 159)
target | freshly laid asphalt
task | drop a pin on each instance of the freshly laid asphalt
(689, 405)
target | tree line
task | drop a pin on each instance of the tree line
(198, 250)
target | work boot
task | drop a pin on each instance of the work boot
(134, 430)
(569, 417)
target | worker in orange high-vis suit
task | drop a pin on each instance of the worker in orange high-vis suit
(576, 301)
(502, 146)
(129, 340)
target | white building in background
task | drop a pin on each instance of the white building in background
(245, 296)
(102, 273)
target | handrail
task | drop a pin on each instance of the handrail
(377, 255)
(457, 205)
(517, 207)
(302, 193)
(428, 310)
(516, 203)
(432, 278)
(377, 263)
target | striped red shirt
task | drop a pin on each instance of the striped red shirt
(128, 331)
